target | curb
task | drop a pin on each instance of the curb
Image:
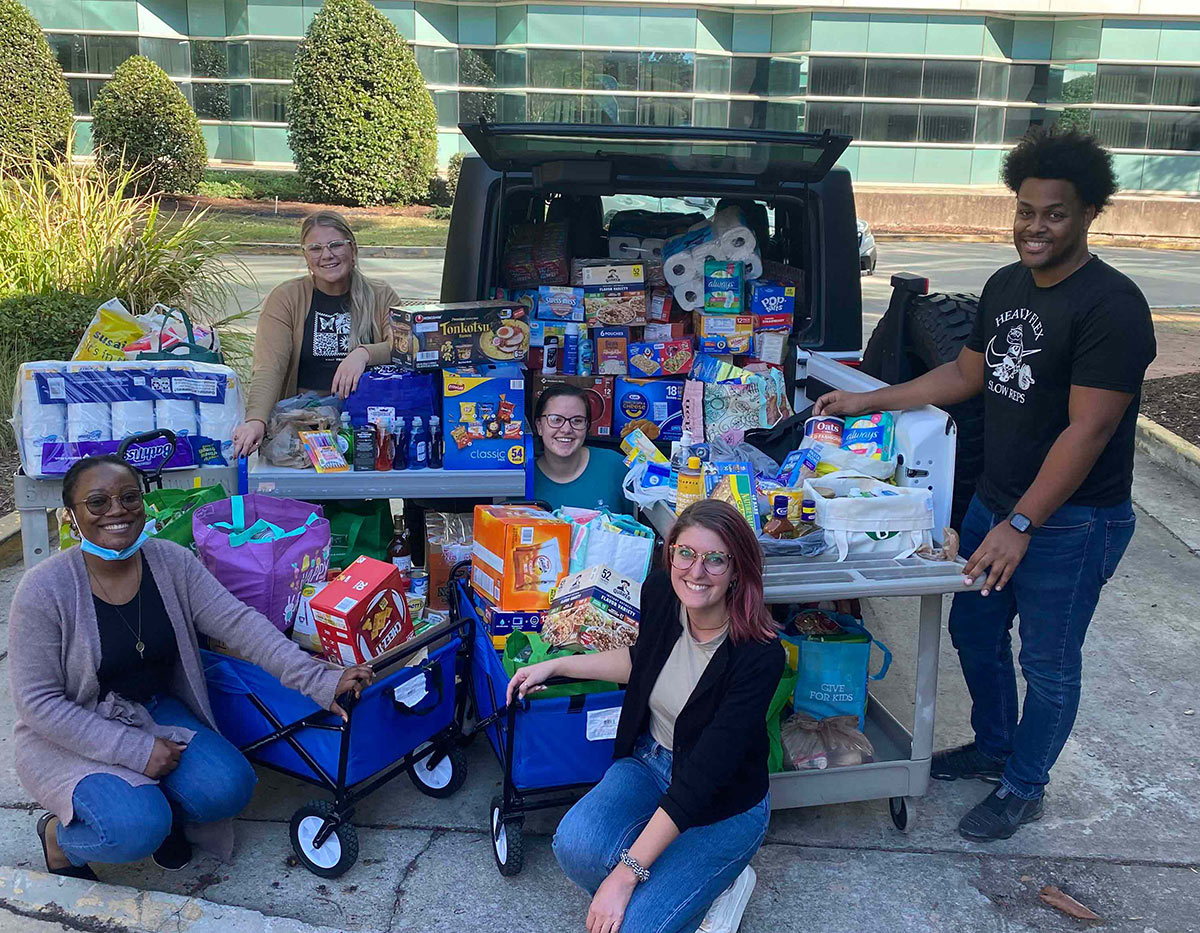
(11, 551)
(1097, 239)
(77, 904)
(1168, 449)
(370, 252)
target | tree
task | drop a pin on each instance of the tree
(141, 119)
(35, 109)
(361, 124)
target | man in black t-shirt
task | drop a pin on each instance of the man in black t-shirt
(1059, 349)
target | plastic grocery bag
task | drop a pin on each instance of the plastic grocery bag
(106, 335)
(812, 744)
(643, 496)
(836, 460)
(264, 550)
(868, 518)
(722, 451)
(616, 541)
(172, 511)
(307, 412)
(525, 648)
(834, 671)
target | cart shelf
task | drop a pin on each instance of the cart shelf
(397, 484)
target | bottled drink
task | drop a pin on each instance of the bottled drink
(418, 445)
(400, 441)
(398, 551)
(435, 443)
(345, 438)
(679, 458)
(384, 449)
(691, 485)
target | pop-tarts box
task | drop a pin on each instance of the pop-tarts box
(654, 405)
(772, 298)
(483, 410)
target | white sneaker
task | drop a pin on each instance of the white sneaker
(725, 915)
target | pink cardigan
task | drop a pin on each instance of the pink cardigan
(60, 737)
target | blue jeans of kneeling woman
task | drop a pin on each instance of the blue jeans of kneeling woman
(684, 881)
(115, 822)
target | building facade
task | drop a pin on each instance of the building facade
(931, 97)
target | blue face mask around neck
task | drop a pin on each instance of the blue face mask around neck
(108, 553)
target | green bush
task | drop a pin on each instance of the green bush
(35, 108)
(362, 126)
(261, 186)
(143, 119)
(453, 170)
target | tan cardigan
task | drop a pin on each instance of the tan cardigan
(281, 332)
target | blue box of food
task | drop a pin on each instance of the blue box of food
(483, 411)
(560, 303)
(772, 298)
(654, 405)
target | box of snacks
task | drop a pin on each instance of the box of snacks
(483, 410)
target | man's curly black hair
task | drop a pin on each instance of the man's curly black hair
(1072, 156)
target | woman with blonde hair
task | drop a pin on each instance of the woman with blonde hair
(318, 331)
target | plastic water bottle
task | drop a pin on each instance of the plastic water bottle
(570, 354)
(418, 445)
(345, 438)
(435, 443)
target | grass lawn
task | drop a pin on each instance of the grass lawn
(371, 230)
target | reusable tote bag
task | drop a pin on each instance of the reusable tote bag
(616, 541)
(357, 528)
(264, 550)
(834, 670)
(172, 511)
(868, 518)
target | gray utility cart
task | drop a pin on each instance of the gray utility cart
(900, 771)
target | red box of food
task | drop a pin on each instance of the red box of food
(599, 390)
(361, 613)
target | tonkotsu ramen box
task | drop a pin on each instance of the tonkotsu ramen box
(362, 613)
(519, 556)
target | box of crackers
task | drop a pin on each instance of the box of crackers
(661, 358)
(483, 418)
(362, 613)
(432, 336)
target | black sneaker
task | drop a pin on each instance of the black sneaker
(175, 852)
(966, 761)
(999, 816)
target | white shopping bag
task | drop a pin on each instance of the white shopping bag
(893, 523)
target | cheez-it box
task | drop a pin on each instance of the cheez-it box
(520, 554)
(361, 613)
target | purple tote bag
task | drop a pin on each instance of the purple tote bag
(264, 550)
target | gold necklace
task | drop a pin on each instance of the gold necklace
(139, 646)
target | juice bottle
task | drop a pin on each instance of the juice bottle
(398, 551)
(418, 445)
(690, 486)
(435, 443)
(779, 526)
(384, 449)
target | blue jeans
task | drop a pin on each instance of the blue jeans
(684, 881)
(1054, 591)
(116, 822)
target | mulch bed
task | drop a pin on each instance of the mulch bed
(267, 208)
(1174, 402)
(10, 461)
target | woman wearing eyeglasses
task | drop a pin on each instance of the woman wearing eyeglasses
(568, 472)
(663, 843)
(114, 733)
(319, 331)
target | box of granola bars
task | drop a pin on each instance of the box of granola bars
(597, 608)
(614, 293)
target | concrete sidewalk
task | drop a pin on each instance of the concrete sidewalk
(1119, 833)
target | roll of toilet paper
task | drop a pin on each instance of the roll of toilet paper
(217, 422)
(733, 234)
(754, 266)
(88, 421)
(652, 248)
(177, 416)
(624, 247)
(690, 295)
(129, 418)
(680, 268)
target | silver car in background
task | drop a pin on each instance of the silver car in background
(867, 255)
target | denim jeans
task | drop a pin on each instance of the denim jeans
(116, 822)
(1054, 591)
(684, 881)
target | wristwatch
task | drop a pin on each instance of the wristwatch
(642, 874)
(1020, 522)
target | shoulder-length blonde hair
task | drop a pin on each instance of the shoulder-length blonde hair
(362, 295)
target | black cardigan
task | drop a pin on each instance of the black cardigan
(720, 757)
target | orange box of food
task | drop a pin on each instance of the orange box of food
(519, 556)
(361, 613)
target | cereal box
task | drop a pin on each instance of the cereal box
(432, 336)
(362, 613)
(772, 298)
(519, 556)
(560, 303)
(724, 333)
(500, 624)
(664, 358)
(654, 405)
(659, 304)
(614, 293)
(612, 349)
(723, 282)
(597, 608)
(483, 411)
(599, 390)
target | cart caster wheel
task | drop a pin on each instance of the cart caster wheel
(339, 851)
(508, 841)
(904, 813)
(444, 778)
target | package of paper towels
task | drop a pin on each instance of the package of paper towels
(63, 412)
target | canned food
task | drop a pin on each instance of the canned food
(824, 429)
(420, 583)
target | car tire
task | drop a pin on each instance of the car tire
(935, 328)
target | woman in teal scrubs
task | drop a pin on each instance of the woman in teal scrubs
(568, 472)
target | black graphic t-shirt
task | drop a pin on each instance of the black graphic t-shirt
(1092, 329)
(326, 340)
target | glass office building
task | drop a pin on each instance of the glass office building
(930, 98)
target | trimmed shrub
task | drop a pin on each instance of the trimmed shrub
(35, 108)
(453, 170)
(141, 119)
(259, 186)
(361, 124)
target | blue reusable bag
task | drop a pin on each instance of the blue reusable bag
(833, 675)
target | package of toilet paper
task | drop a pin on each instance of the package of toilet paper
(64, 411)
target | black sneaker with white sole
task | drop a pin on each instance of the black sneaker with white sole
(966, 762)
(175, 853)
(999, 815)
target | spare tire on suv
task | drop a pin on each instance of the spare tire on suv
(935, 329)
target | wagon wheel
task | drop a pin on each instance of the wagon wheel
(339, 850)
(442, 779)
(904, 813)
(508, 840)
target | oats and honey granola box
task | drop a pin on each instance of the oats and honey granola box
(427, 337)
(519, 556)
(361, 614)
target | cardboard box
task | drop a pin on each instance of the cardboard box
(724, 333)
(597, 608)
(500, 624)
(672, 331)
(664, 358)
(767, 297)
(771, 346)
(560, 304)
(519, 556)
(362, 613)
(723, 284)
(654, 405)
(483, 412)
(772, 322)
(659, 304)
(599, 391)
(433, 336)
(304, 629)
(614, 293)
(612, 351)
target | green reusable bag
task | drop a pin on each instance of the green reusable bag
(776, 713)
(172, 511)
(191, 350)
(525, 648)
(358, 527)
